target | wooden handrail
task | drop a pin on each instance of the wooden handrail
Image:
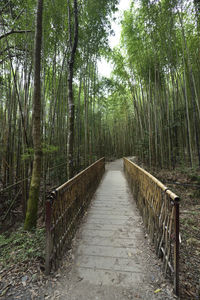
(64, 209)
(159, 208)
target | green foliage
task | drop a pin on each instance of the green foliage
(158, 63)
(95, 24)
(21, 246)
(28, 154)
(49, 149)
(194, 177)
(46, 149)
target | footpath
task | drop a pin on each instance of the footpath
(111, 258)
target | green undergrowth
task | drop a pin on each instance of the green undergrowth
(21, 246)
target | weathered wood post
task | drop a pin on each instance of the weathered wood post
(176, 248)
(48, 236)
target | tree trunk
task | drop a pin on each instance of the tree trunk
(31, 214)
(73, 47)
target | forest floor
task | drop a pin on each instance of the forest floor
(22, 262)
(185, 182)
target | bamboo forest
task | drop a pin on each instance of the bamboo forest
(59, 114)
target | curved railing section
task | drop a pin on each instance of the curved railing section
(159, 208)
(64, 209)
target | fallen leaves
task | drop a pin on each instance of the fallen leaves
(4, 290)
(193, 241)
(21, 279)
(24, 280)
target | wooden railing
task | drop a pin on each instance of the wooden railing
(159, 208)
(64, 209)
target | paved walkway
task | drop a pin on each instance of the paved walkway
(112, 257)
(108, 251)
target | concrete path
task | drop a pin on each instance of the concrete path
(108, 251)
(112, 257)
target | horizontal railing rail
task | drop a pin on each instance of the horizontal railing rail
(159, 208)
(64, 209)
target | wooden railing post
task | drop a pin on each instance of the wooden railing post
(176, 248)
(48, 237)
